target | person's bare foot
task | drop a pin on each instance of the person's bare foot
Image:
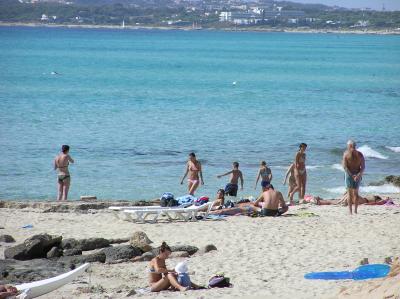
(184, 289)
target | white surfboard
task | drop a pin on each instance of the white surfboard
(41, 287)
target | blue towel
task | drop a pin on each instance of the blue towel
(361, 273)
(186, 199)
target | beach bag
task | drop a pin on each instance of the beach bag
(229, 204)
(219, 281)
(201, 201)
(167, 200)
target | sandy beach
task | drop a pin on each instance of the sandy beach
(264, 257)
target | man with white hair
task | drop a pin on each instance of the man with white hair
(354, 165)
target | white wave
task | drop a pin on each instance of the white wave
(336, 190)
(395, 149)
(338, 167)
(370, 153)
(313, 166)
(367, 189)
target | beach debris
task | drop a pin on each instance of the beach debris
(147, 256)
(121, 252)
(97, 289)
(54, 253)
(131, 293)
(7, 239)
(72, 252)
(36, 246)
(140, 240)
(85, 244)
(364, 261)
(27, 226)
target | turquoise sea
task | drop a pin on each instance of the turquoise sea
(133, 103)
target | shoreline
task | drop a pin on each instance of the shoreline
(243, 29)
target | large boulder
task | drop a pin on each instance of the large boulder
(6, 239)
(81, 259)
(71, 252)
(14, 271)
(85, 244)
(54, 253)
(121, 252)
(393, 179)
(33, 247)
(140, 240)
(188, 248)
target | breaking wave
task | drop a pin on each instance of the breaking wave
(370, 153)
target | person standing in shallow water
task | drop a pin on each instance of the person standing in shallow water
(194, 174)
(300, 173)
(354, 165)
(61, 163)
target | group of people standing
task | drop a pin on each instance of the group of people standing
(353, 164)
(296, 173)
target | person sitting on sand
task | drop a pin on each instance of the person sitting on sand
(219, 201)
(7, 291)
(232, 187)
(61, 163)
(272, 202)
(292, 179)
(160, 277)
(265, 173)
(194, 173)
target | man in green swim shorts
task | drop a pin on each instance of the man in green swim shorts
(353, 165)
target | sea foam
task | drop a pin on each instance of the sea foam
(395, 149)
(370, 153)
(387, 188)
(337, 166)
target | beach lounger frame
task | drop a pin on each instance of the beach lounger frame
(172, 214)
(116, 210)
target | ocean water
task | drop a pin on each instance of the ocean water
(133, 104)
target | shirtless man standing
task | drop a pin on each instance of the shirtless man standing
(61, 163)
(272, 202)
(353, 165)
(231, 188)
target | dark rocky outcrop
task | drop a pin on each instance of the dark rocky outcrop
(6, 239)
(393, 179)
(81, 259)
(85, 244)
(188, 248)
(36, 246)
(118, 240)
(54, 253)
(72, 252)
(121, 252)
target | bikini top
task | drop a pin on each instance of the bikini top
(193, 167)
(265, 172)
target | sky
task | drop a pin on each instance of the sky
(374, 4)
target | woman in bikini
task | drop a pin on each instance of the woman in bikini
(194, 173)
(265, 173)
(218, 204)
(61, 163)
(160, 278)
(300, 173)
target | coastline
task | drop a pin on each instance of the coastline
(189, 28)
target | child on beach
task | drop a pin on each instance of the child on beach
(292, 179)
(265, 173)
(232, 187)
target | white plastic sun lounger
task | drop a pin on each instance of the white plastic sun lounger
(116, 210)
(41, 287)
(184, 214)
